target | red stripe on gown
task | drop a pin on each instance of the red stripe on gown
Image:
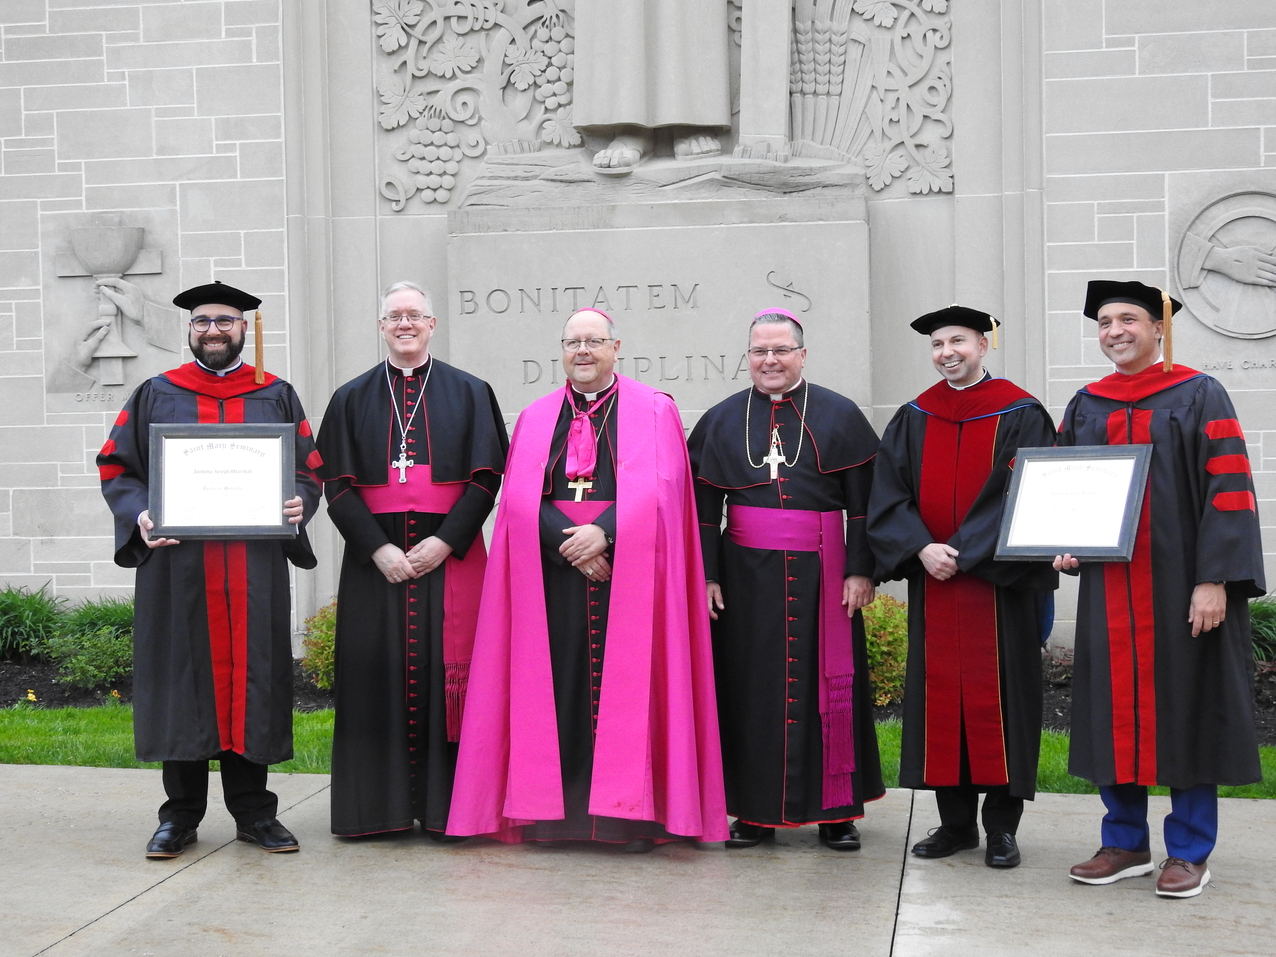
(226, 597)
(1127, 592)
(963, 675)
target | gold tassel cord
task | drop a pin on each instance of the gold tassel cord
(259, 376)
(994, 333)
(1167, 316)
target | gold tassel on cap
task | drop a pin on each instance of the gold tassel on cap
(1167, 344)
(259, 376)
(994, 333)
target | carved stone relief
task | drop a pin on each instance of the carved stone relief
(1226, 265)
(107, 324)
(467, 78)
(870, 84)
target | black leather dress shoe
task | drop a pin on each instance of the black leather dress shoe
(639, 845)
(170, 840)
(748, 835)
(440, 837)
(268, 835)
(843, 836)
(1002, 851)
(945, 841)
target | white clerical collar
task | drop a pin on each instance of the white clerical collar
(591, 396)
(221, 374)
(781, 396)
(410, 370)
(962, 388)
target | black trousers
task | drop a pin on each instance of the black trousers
(959, 806)
(243, 786)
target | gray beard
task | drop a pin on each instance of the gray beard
(220, 361)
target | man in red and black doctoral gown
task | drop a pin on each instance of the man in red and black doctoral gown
(413, 452)
(590, 713)
(1162, 689)
(793, 463)
(212, 635)
(972, 698)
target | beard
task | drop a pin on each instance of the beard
(218, 359)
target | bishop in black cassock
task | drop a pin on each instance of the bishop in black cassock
(793, 463)
(413, 454)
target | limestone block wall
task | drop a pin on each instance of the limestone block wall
(165, 115)
(1159, 124)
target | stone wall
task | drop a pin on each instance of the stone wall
(1160, 122)
(163, 115)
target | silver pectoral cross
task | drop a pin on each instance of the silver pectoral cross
(775, 457)
(403, 463)
(580, 485)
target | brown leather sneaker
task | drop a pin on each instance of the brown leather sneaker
(1111, 864)
(1180, 878)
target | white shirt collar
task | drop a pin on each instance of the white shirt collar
(962, 388)
(222, 373)
(591, 396)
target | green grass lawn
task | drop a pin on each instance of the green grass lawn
(103, 738)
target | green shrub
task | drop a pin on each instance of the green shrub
(93, 645)
(1262, 625)
(27, 621)
(886, 623)
(319, 646)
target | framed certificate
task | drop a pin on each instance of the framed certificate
(221, 480)
(1082, 501)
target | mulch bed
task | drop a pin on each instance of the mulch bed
(41, 678)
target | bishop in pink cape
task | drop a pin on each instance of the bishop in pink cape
(657, 755)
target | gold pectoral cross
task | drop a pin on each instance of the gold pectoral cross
(580, 485)
(775, 457)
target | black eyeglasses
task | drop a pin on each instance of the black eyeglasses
(223, 323)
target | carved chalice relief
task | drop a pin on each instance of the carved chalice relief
(1227, 265)
(107, 252)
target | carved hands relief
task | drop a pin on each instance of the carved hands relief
(468, 77)
(1227, 265)
(870, 82)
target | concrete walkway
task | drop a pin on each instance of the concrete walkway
(74, 881)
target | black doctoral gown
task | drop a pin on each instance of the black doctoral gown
(212, 625)
(1150, 703)
(976, 671)
(766, 641)
(392, 760)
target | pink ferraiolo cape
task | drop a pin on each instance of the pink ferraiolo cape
(657, 755)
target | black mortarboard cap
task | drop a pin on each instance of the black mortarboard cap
(1100, 292)
(217, 292)
(955, 315)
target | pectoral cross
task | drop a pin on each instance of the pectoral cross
(403, 463)
(580, 485)
(775, 457)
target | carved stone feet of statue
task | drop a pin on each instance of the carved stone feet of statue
(625, 152)
(697, 146)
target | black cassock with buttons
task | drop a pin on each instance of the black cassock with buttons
(766, 642)
(392, 759)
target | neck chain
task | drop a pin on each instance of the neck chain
(398, 417)
(775, 436)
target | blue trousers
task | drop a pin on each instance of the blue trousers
(1191, 828)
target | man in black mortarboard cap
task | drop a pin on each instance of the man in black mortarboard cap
(212, 645)
(972, 710)
(1162, 689)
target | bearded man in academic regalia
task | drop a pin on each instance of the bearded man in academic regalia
(1162, 688)
(413, 454)
(212, 630)
(591, 707)
(793, 463)
(972, 697)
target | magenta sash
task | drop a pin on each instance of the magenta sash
(462, 578)
(418, 494)
(823, 532)
(582, 513)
